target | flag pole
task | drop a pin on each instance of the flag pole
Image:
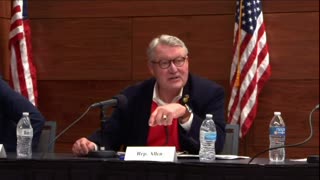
(237, 81)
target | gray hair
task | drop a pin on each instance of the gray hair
(164, 39)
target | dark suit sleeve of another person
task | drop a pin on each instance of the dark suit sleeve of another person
(12, 105)
(206, 97)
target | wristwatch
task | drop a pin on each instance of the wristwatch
(186, 114)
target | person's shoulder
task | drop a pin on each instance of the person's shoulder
(202, 88)
(3, 84)
(199, 81)
(7, 93)
(140, 87)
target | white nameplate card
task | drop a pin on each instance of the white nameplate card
(2, 152)
(151, 153)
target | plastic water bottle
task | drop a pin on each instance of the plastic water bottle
(24, 137)
(277, 137)
(208, 136)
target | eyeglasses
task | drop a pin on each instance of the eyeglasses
(164, 64)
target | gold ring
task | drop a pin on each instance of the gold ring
(164, 117)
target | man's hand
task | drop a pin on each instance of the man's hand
(82, 147)
(164, 115)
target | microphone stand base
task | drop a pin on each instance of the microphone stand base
(102, 154)
(313, 159)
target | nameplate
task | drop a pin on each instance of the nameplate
(2, 152)
(151, 153)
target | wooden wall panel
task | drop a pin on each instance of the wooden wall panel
(4, 46)
(82, 49)
(293, 46)
(281, 6)
(85, 8)
(5, 7)
(125, 8)
(5, 15)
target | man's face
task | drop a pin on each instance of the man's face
(174, 77)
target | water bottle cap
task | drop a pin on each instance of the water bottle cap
(208, 115)
(25, 114)
(277, 113)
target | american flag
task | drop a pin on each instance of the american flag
(250, 67)
(22, 69)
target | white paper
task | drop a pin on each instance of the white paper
(221, 156)
(2, 152)
(299, 160)
(218, 156)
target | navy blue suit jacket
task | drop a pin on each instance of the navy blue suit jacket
(129, 126)
(12, 104)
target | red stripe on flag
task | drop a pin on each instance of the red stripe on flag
(247, 122)
(16, 24)
(22, 81)
(15, 9)
(233, 107)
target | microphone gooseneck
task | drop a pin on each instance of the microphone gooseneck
(67, 128)
(291, 145)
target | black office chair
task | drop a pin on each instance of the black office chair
(47, 136)
(231, 145)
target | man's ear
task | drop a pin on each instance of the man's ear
(150, 69)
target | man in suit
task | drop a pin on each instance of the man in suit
(12, 105)
(166, 110)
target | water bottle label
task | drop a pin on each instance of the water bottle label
(210, 136)
(277, 131)
(27, 132)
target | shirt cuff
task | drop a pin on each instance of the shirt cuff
(187, 125)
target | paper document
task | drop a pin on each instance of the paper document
(218, 156)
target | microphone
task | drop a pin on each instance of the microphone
(310, 159)
(119, 101)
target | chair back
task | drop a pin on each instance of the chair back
(231, 145)
(47, 136)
